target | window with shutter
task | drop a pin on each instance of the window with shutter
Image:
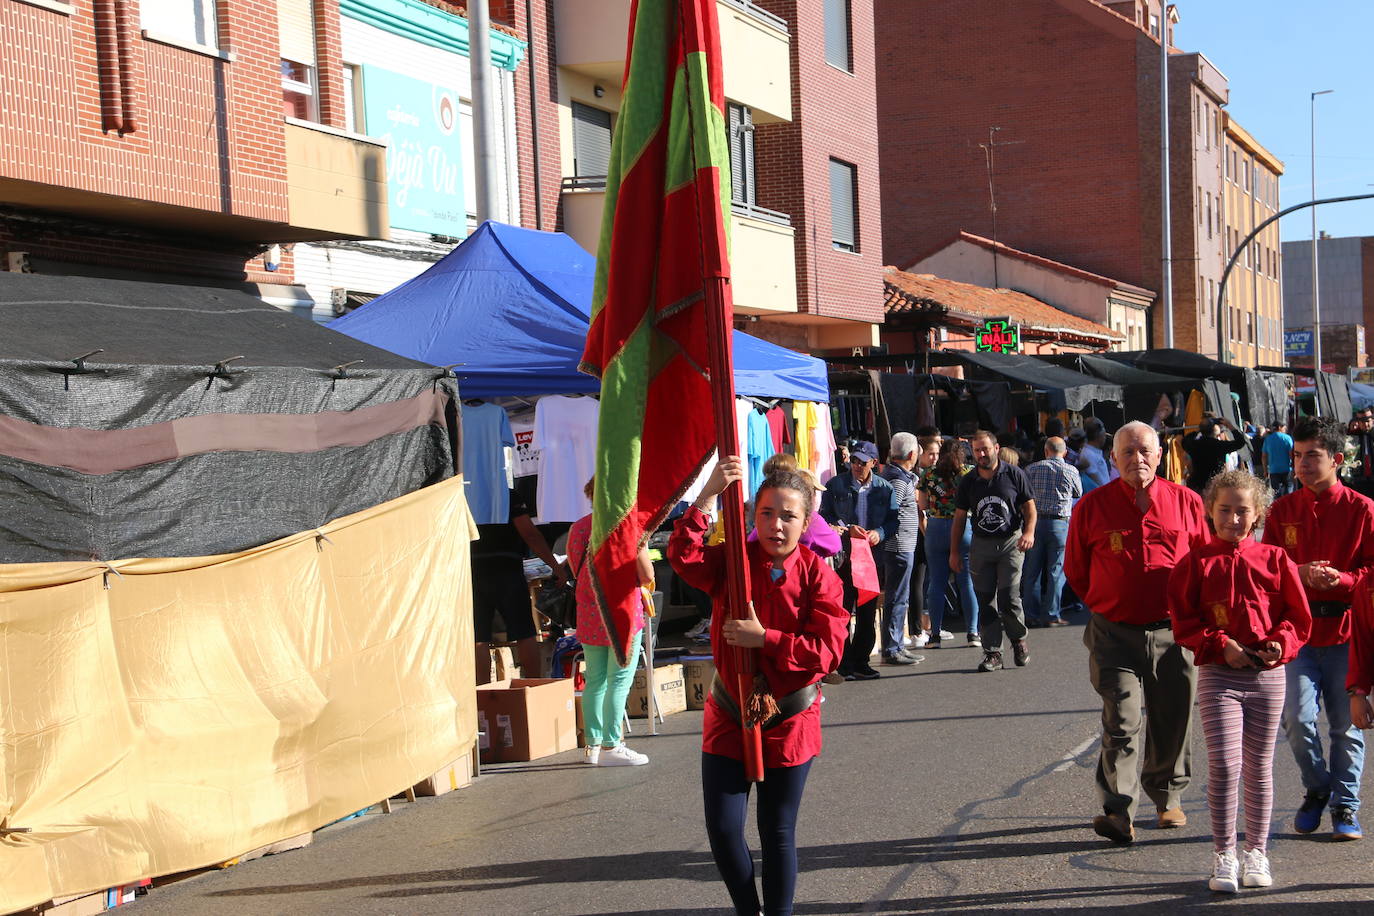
(191, 21)
(591, 141)
(837, 50)
(844, 193)
(741, 155)
(296, 44)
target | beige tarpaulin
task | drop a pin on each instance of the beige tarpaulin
(196, 709)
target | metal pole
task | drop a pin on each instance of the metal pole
(1167, 275)
(483, 135)
(1235, 255)
(1316, 284)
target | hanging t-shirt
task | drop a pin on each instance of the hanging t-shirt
(486, 435)
(801, 411)
(742, 410)
(526, 449)
(822, 444)
(565, 428)
(760, 449)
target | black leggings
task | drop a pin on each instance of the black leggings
(725, 792)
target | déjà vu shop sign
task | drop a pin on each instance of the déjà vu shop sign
(424, 159)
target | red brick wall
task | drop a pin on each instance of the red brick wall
(542, 44)
(834, 114)
(210, 134)
(1060, 80)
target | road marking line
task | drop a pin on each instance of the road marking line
(1068, 760)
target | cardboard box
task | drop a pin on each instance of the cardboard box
(526, 719)
(299, 841)
(454, 776)
(503, 666)
(697, 672)
(669, 687)
(83, 905)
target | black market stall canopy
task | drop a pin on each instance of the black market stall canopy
(1141, 388)
(1264, 395)
(1064, 388)
(999, 387)
(155, 420)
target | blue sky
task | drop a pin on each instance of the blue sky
(1275, 54)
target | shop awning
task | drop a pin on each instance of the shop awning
(1067, 389)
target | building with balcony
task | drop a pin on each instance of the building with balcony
(407, 85)
(179, 140)
(805, 242)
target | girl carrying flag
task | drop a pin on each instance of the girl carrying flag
(797, 628)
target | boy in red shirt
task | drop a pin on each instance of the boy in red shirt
(1327, 529)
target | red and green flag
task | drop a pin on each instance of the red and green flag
(663, 238)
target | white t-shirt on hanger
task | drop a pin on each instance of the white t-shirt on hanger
(565, 428)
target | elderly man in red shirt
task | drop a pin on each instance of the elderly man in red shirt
(1124, 540)
(1328, 531)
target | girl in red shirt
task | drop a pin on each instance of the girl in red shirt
(798, 629)
(1240, 607)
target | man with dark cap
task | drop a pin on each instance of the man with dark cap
(859, 504)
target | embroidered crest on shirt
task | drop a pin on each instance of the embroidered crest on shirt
(1290, 535)
(1219, 613)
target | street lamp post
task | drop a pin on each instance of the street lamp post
(1316, 285)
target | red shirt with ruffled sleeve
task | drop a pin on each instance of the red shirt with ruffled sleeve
(805, 624)
(1248, 592)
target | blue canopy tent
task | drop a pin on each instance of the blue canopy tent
(509, 310)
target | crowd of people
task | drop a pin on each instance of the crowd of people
(1258, 610)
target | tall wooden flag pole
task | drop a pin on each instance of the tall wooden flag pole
(661, 322)
(701, 35)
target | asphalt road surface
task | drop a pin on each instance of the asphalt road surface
(939, 790)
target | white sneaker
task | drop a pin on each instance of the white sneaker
(946, 634)
(1224, 868)
(1255, 872)
(621, 756)
(703, 628)
(591, 754)
(920, 639)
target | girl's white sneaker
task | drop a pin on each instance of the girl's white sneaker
(621, 756)
(1224, 868)
(1255, 871)
(593, 755)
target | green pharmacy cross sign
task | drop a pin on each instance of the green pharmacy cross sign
(997, 335)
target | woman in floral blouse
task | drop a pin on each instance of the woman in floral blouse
(935, 488)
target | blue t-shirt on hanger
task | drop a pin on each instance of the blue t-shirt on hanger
(486, 435)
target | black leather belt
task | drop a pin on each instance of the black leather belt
(1329, 608)
(1164, 624)
(788, 706)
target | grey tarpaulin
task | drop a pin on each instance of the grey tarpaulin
(1065, 388)
(1220, 403)
(1268, 402)
(146, 449)
(1333, 396)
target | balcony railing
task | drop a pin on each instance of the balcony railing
(759, 13)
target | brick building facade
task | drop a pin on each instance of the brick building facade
(834, 119)
(158, 148)
(1076, 150)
